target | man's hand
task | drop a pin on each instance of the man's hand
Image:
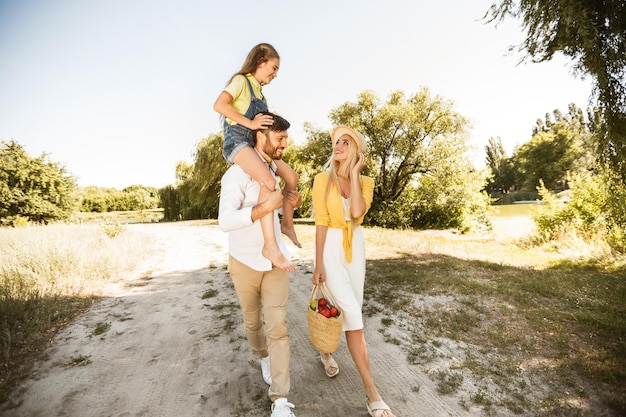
(268, 202)
(274, 198)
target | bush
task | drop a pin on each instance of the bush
(33, 188)
(113, 228)
(593, 214)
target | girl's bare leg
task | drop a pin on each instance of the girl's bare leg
(291, 184)
(286, 226)
(249, 160)
(271, 250)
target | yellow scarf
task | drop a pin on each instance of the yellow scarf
(329, 211)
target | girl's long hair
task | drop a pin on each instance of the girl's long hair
(261, 53)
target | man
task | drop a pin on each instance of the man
(262, 288)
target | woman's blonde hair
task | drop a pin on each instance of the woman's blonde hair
(335, 170)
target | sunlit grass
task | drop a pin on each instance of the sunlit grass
(141, 216)
(517, 317)
(539, 330)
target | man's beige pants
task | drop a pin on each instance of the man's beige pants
(265, 292)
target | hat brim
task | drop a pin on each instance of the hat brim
(339, 131)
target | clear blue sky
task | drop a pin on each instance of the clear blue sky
(121, 90)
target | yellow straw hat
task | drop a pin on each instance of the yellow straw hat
(339, 131)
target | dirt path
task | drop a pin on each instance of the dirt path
(174, 346)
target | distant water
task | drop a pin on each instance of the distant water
(513, 220)
(514, 210)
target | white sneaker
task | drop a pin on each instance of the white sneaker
(266, 371)
(282, 408)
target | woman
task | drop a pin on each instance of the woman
(341, 197)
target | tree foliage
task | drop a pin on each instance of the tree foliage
(197, 193)
(417, 157)
(561, 145)
(588, 215)
(407, 136)
(34, 188)
(449, 196)
(135, 197)
(169, 199)
(503, 173)
(593, 34)
(205, 180)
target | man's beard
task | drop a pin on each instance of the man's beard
(271, 152)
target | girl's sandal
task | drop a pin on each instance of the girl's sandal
(329, 364)
(378, 408)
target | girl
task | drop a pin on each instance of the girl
(341, 197)
(240, 104)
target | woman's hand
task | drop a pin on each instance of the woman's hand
(318, 275)
(358, 167)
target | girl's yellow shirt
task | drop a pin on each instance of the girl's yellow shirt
(238, 89)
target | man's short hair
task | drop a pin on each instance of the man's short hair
(280, 124)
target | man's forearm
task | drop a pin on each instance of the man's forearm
(260, 210)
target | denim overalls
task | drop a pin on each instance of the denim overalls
(237, 136)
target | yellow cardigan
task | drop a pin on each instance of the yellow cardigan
(330, 212)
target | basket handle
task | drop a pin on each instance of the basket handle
(325, 293)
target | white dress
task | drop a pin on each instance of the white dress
(346, 280)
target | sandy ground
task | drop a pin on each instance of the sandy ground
(171, 352)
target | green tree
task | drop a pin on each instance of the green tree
(503, 172)
(562, 145)
(197, 192)
(135, 197)
(140, 197)
(204, 185)
(34, 188)
(593, 34)
(169, 199)
(542, 159)
(96, 200)
(417, 146)
(449, 196)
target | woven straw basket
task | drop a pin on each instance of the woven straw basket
(324, 332)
